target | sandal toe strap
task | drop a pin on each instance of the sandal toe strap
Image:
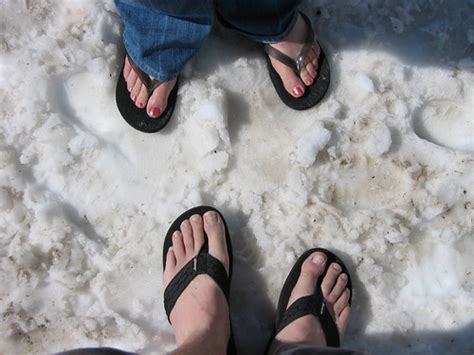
(150, 83)
(313, 305)
(298, 63)
(201, 264)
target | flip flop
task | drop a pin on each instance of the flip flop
(313, 93)
(202, 263)
(138, 117)
(312, 304)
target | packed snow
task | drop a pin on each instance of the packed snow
(381, 172)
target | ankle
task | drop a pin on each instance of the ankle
(307, 330)
(214, 334)
(203, 342)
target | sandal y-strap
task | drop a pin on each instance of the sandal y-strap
(203, 263)
(150, 83)
(295, 64)
(312, 304)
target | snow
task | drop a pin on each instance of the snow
(381, 172)
(311, 143)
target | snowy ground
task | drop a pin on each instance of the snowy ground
(382, 172)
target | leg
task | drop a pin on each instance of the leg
(307, 331)
(160, 37)
(278, 23)
(200, 316)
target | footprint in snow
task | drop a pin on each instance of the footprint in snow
(446, 123)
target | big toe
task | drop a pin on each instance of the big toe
(292, 83)
(159, 99)
(215, 231)
(311, 270)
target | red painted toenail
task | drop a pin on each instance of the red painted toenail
(139, 104)
(298, 91)
(154, 111)
(134, 98)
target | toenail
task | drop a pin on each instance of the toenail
(134, 98)
(185, 224)
(298, 91)
(343, 277)
(319, 259)
(139, 104)
(154, 111)
(194, 218)
(176, 234)
(211, 217)
(337, 267)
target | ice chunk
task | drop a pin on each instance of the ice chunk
(5, 200)
(311, 143)
(363, 81)
(379, 141)
(212, 163)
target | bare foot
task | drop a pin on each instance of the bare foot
(201, 313)
(156, 103)
(292, 45)
(308, 329)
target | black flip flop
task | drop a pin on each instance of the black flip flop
(315, 92)
(313, 304)
(202, 263)
(138, 117)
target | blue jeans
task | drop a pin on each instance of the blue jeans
(160, 36)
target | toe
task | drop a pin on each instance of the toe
(178, 247)
(311, 56)
(342, 302)
(311, 71)
(316, 49)
(214, 228)
(307, 79)
(315, 56)
(291, 82)
(312, 268)
(187, 232)
(311, 62)
(136, 90)
(342, 320)
(330, 279)
(198, 232)
(338, 288)
(159, 99)
(131, 80)
(142, 97)
(170, 266)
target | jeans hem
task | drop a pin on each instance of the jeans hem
(264, 38)
(153, 72)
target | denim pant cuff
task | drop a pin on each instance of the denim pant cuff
(277, 38)
(143, 65)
